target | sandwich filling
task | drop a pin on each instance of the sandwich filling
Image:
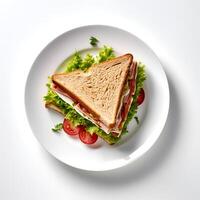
(126, 101)
(123, 109)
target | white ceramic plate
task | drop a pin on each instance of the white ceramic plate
(101, 156)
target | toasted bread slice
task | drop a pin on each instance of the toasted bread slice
(99, 89)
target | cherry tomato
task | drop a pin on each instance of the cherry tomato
(141, 97)
(87, 138)
(70, 129)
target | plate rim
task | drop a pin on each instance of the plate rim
(144, 148)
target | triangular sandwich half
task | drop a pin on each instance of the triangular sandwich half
(102, 94)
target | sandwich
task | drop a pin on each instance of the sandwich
(101, 99)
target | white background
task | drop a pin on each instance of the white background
(171, 169)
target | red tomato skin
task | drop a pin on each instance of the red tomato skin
(70, 129)
(141, 97)
(84, 136)
(87, 138)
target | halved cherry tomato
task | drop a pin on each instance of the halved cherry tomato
(141, 97)
(87, 138)
(70, 129)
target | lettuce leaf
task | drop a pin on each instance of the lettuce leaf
(57, 127)
(105, 53)
(93, 41)
(74, 63)
(87, 62)
(83, 63)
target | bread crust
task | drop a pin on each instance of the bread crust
(53, 107)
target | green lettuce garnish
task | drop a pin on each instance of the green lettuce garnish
(57, 127)
(93, 41)
(74, 63)
(83, 63)
(105, 53)
(87, 62)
